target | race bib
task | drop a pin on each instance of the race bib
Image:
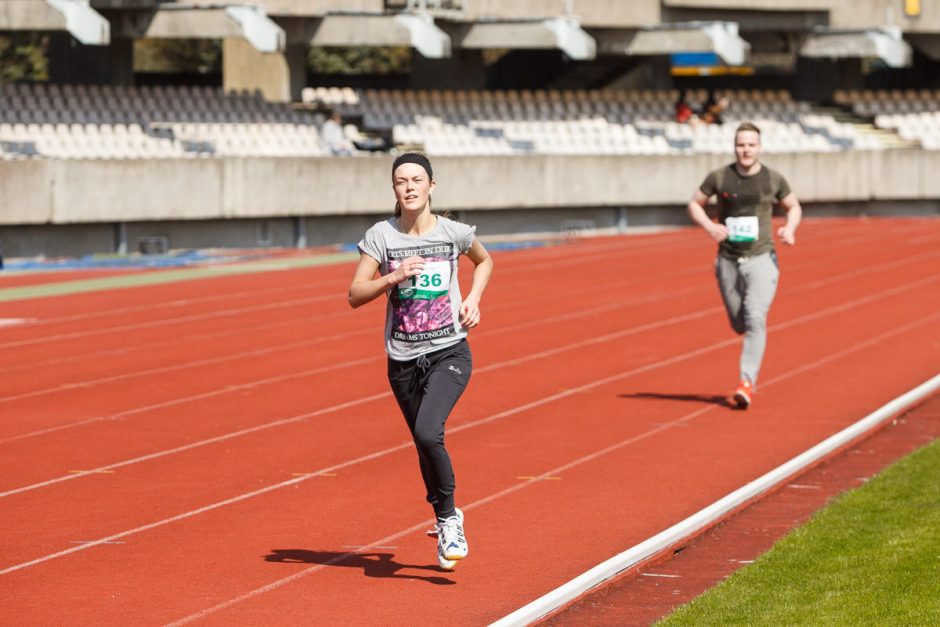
(432, 283)
(742, 229)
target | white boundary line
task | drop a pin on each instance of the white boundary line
(714, 512)
(551, 472)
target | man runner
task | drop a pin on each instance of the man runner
(746, 267)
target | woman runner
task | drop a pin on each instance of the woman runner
(415, 255)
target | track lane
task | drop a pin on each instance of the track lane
(356, 574)
(662, 342)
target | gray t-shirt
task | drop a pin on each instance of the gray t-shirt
(423, 312)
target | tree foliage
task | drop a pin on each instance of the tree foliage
(23, 57)
(184, 56)
(359, 60)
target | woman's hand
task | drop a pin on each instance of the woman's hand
(470, 312)
(410, 267)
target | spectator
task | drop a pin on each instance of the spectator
(334, 137)
(712, 109)
(684, 112)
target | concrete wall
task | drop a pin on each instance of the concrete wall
(58, 240)
(70, 192)
(848, 14)
(855, 14)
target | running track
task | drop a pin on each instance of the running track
(226, 451)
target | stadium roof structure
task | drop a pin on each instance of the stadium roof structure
(437, 29)
(433, 27)
(78, 18)
(883, 43)
(722, 38)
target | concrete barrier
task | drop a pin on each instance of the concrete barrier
(73, 192)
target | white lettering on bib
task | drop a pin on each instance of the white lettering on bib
(742, 229)
(432, 283)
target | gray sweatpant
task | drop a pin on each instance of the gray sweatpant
(748, 286)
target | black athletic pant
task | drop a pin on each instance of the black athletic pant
(427, 388)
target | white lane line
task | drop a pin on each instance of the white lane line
(584, 583)
(333, 297)
(189, 364)
(553, 472)
(531, 323)
(12, 322)
(574, 315)
(181, 302)
(596, 253)
(504, 364)
(168, 321)
(206, 442)
(128, 375)
(716, 511)
(259, 382)
(299, 575)
(173, 340)
(227, 389)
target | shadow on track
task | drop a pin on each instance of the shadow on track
(372, 564)
(712, 399)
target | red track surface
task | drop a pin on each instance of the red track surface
(226, 449)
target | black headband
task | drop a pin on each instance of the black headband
(413, 157)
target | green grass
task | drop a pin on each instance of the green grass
(872, 557)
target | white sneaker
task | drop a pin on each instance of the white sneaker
(451, 543)
(446, 564)
(433, 530)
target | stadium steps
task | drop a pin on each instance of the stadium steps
(864, 126)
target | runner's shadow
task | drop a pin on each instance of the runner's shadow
(372, 564)
(711, 399)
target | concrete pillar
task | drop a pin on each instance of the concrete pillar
(120, 238)
(73, 62)
(300, 232)
(280, 76)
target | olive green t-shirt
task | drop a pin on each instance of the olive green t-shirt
(748, 201)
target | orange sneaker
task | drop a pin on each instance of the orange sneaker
(743, 395)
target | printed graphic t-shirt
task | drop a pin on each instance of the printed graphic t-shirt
(423, 312)
(745, 206)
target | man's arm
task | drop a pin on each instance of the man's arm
(787, 232)
(696, 209)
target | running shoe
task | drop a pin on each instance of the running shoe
(743, 395)
(451, 543)
(446, 564)
(433, 530)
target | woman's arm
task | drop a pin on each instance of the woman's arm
(366, 287)
(482, 271)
